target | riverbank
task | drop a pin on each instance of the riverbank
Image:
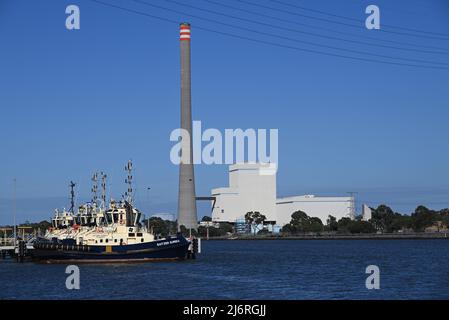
(390, 236)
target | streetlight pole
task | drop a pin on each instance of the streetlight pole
(15, 211)
(148, 200)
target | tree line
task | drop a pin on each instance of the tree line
(383, 220)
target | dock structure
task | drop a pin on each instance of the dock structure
(6, 242)
(19, 247)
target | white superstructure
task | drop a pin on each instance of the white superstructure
(252, 189)
(116, 226)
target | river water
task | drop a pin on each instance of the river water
(252, 270)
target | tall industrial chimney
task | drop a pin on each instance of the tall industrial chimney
(187, 215)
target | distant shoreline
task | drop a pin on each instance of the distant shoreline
(408, 236)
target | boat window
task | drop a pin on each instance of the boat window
(139, 234)
(141, 240)
(131, 234)
(101, 240)
(107, 240)
(115, 240)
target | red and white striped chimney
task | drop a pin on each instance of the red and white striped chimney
(187, 211)
(184, 32)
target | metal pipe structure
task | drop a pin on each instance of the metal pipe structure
(187, 213)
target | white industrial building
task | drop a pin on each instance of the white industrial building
(249, 190)
(252, 189)
(319, 207)
(367, 213)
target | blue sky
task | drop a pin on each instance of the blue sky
(77, 101)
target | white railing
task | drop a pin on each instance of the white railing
(6, 242)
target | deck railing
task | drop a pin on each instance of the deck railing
(6, 242)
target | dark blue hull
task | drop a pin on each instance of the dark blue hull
(174, 248)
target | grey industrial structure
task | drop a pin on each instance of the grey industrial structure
(187, 214)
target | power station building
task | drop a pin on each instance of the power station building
(319, 207)
(248, 190)
(252, 188)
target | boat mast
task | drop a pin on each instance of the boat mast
(103, 190)
(72, 197)
(95, 189)
(129, 181)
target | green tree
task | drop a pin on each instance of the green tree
(331, 223)
(400, 222)
(315, 225)
(383, 217)
(254, 219)
(301, 222)
(158, 226)
(423, 218)
(344, 225)
(288, 228)
(358, 226)
(444, 216)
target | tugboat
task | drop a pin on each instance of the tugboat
(99, 234)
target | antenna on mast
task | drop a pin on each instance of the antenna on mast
(103, 190)
(95, 188)
(129, 181)
(72, 197)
